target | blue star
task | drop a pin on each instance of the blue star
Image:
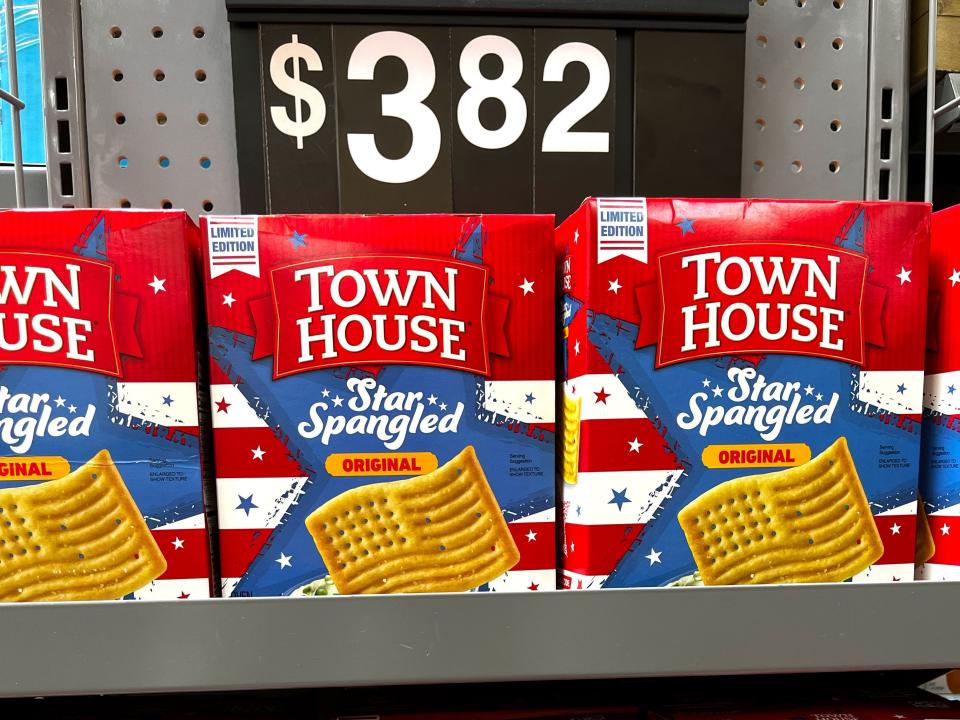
(619, 498)
(951, 390)
(246, 504)
(298, 239)
(167, 400)
(530, 398)
(901, 388)
(578, 510)
(686, 226)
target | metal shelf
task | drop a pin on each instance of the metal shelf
(128, 647)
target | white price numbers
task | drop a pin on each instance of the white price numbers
(407, 104)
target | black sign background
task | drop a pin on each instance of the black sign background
(673, 109)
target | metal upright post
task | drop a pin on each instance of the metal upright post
(13, 98)
(931, 99)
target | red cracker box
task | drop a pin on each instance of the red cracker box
(743, 390)
(100, 472)
(938, 550)
(382, 393)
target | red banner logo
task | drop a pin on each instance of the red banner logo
(379, 310)
(761, 298)
(61, 310)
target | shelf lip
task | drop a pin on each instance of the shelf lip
(235, 644)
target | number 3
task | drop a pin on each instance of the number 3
(558, 137)
(407, 105)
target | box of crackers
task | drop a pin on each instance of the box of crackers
(383, 396)
(100, 462)
(743, 390)
(938, 551)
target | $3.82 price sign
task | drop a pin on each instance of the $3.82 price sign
(359, 118)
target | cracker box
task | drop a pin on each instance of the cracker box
(938, 539)
(100, 471)
(382, 394)
(743, 391)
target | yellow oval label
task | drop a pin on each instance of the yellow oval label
(406, 463)
(759, 455)
(35, 467)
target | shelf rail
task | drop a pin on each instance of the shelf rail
(11, 96)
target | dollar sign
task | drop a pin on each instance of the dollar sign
(301, 91)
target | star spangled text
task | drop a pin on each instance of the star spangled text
(389, 416)
(25, 417)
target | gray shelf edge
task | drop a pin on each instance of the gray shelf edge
(132, 647)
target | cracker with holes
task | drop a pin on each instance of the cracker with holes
(757, 360)
(383, 402)
(810, 523)
(439, 532)
(101, 494)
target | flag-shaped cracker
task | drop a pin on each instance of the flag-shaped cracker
(570, 429)
(926, 546)
(439, 532)
(80, 537)
(810, 523)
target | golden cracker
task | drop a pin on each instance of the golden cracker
(570, 430)
(926, 545)
(80, 537)
(439, 532)
(809, 523)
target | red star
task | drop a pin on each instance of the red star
(183, 596)
(601, 396)
(579, 584)
(533, 586)
(222, 405)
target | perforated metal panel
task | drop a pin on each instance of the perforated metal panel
(159, 105)
(806, 98)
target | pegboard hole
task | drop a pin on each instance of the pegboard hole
(758, 166)
(760, 124)
(205, 162)
(156, 31)
(796, 166)
(207, 206)
(115, 32)
(159, 75)
(122, 162)
(837, 84)
(117, 76)
(801, 3)
(163, 161)
(199, 32)
(837, 44)
(202, 118)
(799, 83)
(834, 166)
(161, 118)
(120, 118)
(761, 81)
(124, 203)
(798, 125)
(762, 40)
(799, 43)
(166, 204)
(838, 4)
(836, 125)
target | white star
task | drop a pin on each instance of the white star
(809, 389)
(706, 383)
(284, 561)
(904, 275)
(325, 392)
(635, 445)
(337, 401)
(614, 285)
(443, 406)
(258, 453)
(229, 300)
(944, 529)
(717, 391)
(573, 546)
(576, 235)
(157, 285)
(432, 399)
(177, 544)
(954, 277)
(819, 397)
(576, 348)
(59, 401)
(526, 286)
(653, 557)
(894, 529)
(531, 536)
(72, 408)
